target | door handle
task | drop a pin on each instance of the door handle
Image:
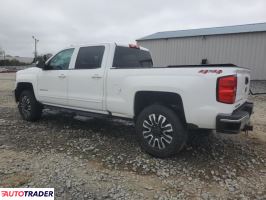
(96, 76)
(62, 76)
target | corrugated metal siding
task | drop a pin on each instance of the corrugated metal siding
(246, 50)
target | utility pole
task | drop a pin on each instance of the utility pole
(35, 47)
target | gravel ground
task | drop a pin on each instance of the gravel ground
(258, 87)
(86, 158)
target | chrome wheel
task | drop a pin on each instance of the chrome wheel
(25, 106)
(157, 131)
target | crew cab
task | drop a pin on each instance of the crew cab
(115, 80)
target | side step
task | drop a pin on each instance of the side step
(84, 113)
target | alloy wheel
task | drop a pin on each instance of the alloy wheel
(157, 131)
(25, 106)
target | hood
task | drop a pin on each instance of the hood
(31, 70)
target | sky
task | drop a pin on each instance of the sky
(62, 23)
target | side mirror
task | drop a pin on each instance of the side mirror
(40, 64)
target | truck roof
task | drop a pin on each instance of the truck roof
(107, 43)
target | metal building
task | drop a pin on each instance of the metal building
(243, 45)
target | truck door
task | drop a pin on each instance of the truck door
(52, 80)
(86, 79)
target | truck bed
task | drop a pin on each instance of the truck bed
(206, 65)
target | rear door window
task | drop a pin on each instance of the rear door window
(126, 57)
(89, 57)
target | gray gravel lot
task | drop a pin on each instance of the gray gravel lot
(258, 87)
(86, 158)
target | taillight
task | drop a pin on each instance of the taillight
(226, 89)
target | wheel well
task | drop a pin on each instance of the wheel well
(169, 99)
(21, 87)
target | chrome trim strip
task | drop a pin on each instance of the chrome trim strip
(235, 120)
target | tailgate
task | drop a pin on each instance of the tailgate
(243, 83)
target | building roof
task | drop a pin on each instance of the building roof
(246, 28)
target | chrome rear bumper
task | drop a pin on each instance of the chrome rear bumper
(238, 121)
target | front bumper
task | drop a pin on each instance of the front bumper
(238, 121)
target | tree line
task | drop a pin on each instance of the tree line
(12, 62)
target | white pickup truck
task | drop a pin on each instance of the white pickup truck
(120, 81)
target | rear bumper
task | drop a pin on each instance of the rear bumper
(238, 121)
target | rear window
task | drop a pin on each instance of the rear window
(126, 57)
(89, 57)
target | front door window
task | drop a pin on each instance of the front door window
(61, 60)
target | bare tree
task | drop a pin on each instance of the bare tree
(2, 52)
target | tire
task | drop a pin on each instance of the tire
(160, 131)
(29, 108)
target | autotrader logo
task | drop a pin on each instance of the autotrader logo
(27, 193)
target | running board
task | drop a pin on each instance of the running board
(84, 113)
